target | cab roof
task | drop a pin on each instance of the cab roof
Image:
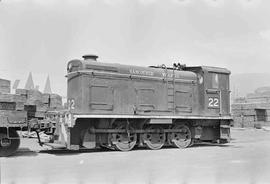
(209, 69)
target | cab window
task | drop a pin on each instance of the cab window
(214, 81)
(224, 81)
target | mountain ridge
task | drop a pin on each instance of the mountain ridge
(242, 84)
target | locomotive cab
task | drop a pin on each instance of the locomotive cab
(213, 85)
(214, 92)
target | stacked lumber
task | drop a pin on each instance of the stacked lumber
(41, 100)
(13, 98)
(37, 103)
(46, 98)
(4, 86)
(34, 97)
(20, 101)
(7, 98)
(25, 103)
(55, 101)
(245, 114)
(253, 109)
(12, 109)
(243, 106)
(22, 92)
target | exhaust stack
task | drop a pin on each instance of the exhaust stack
(90, 57)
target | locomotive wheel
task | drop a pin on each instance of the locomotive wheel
(181, 139)
(124, 141)
(8, 146)
(154, 141)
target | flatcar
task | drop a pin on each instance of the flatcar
(122, 106)
(13, 119)
(10, 121)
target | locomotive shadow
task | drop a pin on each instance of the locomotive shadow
(60, 152)
(229, 145)
(210, 145)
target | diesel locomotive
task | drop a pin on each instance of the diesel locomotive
(122, 106)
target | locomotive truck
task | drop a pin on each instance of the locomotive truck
(120, 106)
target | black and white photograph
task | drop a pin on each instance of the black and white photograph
(134, 91)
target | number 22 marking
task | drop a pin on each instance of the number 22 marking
(213, 102)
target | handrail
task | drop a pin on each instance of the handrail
(174, 107)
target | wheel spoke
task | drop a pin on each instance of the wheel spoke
(181, 139)
(124, 141)
(154, 141)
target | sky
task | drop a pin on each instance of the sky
(41, 36)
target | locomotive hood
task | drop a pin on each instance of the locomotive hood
(86, 66)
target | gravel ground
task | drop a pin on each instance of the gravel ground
(245, 160)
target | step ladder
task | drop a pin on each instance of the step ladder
(170, 85)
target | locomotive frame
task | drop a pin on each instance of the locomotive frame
(121, 106)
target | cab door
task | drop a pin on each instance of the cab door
(213, 94)
(217, 94)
